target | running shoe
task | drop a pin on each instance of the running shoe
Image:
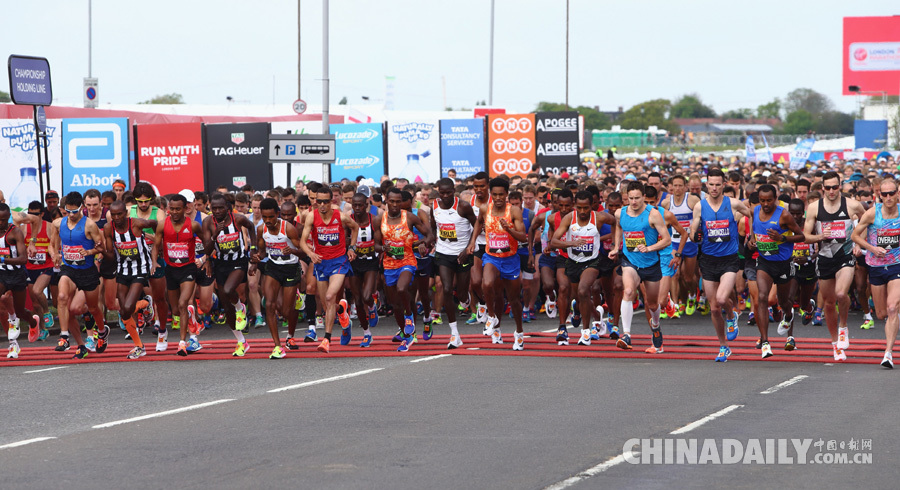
(653, 350)
(868, 323)
(324, 346)
(731, 326)
(48, 320)
(407, 343)
(671, 309)
(595, 330)
(657, 337)
(766, 350)
(526, 317)
(496, 336)
(346, 336)
(300, 302)
(585, 337)
(691, 305)
(44, 335)
(784, 327)
(193, 345)
(310, 335)
(790, 345)
(724, 353)
(240, 318)
(427, 332)
(817, 318)
(888, 360)
(562, 335)
(682, 309)
(420, 309)
(751, 319)
(176, 323)
(576, 315)
(373, 316)
(291, 343)
(518, 340)
(182, 348)
(808, 315)
(277, 353)
(614, 333)
(194, 326)
(455, 342)
(550, 308)
(13, 352)
(472, 319)
(843, 341)
(91, 343)
(81, 353)
(489, 326)
(161, 341)
(409, 325)
(481, 313)
(532, 315)
(260, 321)
(399, 337)
(759, 342)
(241, 349)
(775, 314)
(367, 340)
(839, 354)
(13, 332)
(62, 345)
(136, 353)
(103, 340)
(89, 322)
(624, 342)
(35, 331)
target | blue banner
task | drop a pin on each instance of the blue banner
(94, 153)
(462, 146)
(800, 153)
(359, 150)
(751, 150)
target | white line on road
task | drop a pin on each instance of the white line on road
(162, 414)
(26, 441)
(42, 370)
(325, 380)
(431, 358)
(795, 379)
(698, 423)
(584, 475)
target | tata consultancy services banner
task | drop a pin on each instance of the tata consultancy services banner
(462, 146)
(170, 156)
(18, 161)
(359, 150)
(237, 155)
(94, 153)
(414, 150)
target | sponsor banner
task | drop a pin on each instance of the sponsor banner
(800, 153)
(414, 150)
(510, 144)
(296, 127)
(238, 154)
(766, 156)
(359, 150)
(462, 147)
(556, 135)
(871, 55)
(484, 111)
(18, 152)
(170, 156)
(94, 153)
(874, 56)
(751, 150)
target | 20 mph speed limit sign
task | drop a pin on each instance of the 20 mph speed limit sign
(299, 106)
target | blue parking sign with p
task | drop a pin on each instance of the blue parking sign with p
(291, 150)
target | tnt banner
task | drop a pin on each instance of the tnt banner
(170, 156)
(510, 144)
(557, 134)
(359, 150)
(238, 154)
(94, 153)
(18, 152)
(414, 150)
(462, 146)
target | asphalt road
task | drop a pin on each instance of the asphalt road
(460, 421)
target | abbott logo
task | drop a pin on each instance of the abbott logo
(93, 145)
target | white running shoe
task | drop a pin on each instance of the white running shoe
(519, 341)
(766, 350)
(785, 325)
(843, 341)
(496, 336)
(888, 360)
(585, 337)
(839, 354)
(481, 313)
(490, 324)
(161, 342)
(550, 308)
(320, 321)
(13, 332)
(14, 350)
(455, 341)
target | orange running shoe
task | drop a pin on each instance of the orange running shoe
(325, 346)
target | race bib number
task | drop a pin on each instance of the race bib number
(198, 246)
(835, 230)
(5, 252)
(766, 245)
(228, 242)
(498, 244)
(888, 239)
(276, 250)
(395, 249)
(127, 250)
(73, 255)
(686, 224)
(717, 231)
(447, 231)
(365, 250)
(178, 252)
(37, 258)
(801, 250)
(634, 239)
(586, 249)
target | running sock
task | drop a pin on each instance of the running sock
(654, 315)
(366, 331)
(327, 336)
(238, 335)
(310, 310)
(626, 313)
(453, 329)
(132, 330)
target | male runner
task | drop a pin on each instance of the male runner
(13, 256)
(481, 197)
(176, 240)
(144, 195)
(39, 268)
(681, 204)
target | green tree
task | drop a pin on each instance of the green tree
(772, 110)
(4, 97)
(650, 113)
(173, 98)
(808, 100)
(744, 113)
(834, 122)
(798, 122)
(593, 119)
(690, 106)
(343, 101)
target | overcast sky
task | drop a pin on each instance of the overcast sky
(734, 54)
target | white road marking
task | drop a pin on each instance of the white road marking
(550, 331)
(593, 471)
(324, 380)
(42, 370)
(473, 348)
(162, 414)
(712, 416)
(430, 358)
(795, 379)
(26, 441)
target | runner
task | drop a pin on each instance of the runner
(39, 268)
(176, 239)
(366, 267)
(481, 197)
(144, 195)
(682, 204)
(13, 257)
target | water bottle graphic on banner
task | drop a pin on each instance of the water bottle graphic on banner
(27, 190)
(414, 171)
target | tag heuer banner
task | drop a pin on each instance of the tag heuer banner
(238, 154)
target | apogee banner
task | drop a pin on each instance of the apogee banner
(414, 150)
(510, 144)
(94, 153)
(557, 134)
(462, 146)
(359, 150)
(170, 156)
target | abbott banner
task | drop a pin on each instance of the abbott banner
(557, 134)
(18, 154)
(462, 146)
(414, 150)
(237, 155)
(94, 153)
(359, 150)
(170, 156)
(510, 144)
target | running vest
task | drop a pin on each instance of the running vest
(499, 242)
(557, 219)
(329, 238)
(75, 241)
(801, 250)
(884, 233)
(277, 244)
(178, 246)
(419, 236)
(198, 242)
(684, 214)
(719, 229)
(590, 234)
(606, 245)
(149, 233)
(40, 259)
(8, 251)
(637, 231)
(480, 239)
(365, 241)
(836, 228)
(398, 240)
(666, 253)
(545, 236)
(229, 242)
(454, 231)
(768, 248)
(133, 255)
